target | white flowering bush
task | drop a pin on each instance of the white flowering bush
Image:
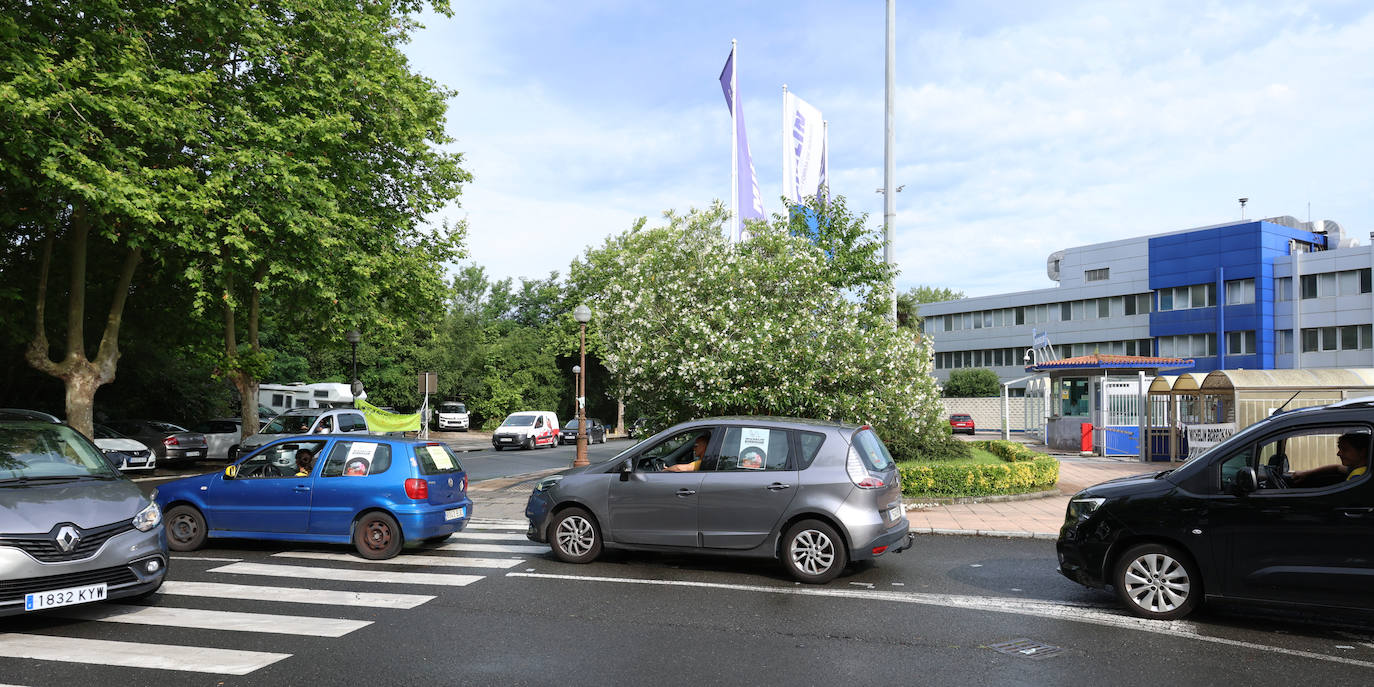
(693, 325)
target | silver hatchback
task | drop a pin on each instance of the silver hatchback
(814, 495)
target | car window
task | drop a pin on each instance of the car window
(103, 432)
(277, 460)
(673, 450)
(437, 459)
(1305, 458)
(871, 449)
(352, 422)
(41, 449)
(357, 459)
(289, 424)
(1243, 457)
(810, 446)
(167, 427)
(753, 449)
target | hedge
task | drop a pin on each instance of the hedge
(1026, 471)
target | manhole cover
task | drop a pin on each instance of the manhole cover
(1027, 648)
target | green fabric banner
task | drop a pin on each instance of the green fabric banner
(379, 420)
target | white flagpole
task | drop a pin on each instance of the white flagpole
(785, 153)
(823, 191)
(734, 143)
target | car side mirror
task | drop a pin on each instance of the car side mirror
(626, 467)
(231, 472)
(1246, 481)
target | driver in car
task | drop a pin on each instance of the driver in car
(698, 452)
(1352, 449)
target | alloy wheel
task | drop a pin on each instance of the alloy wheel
(1156, 582)
(812, 552)
(575, 536)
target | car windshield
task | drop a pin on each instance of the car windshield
(289, 424)
(103, 432)
(453, 408)
(571, 424)
(40, 450)
(518, 421)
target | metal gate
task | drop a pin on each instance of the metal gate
(1121, 426)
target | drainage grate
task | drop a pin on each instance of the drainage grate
(1027, 648)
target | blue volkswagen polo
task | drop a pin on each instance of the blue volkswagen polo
(373, 492)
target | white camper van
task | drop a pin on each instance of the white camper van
(284, 397)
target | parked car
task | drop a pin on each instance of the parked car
(451, 415)
(816, 495)
(1266, 516)
(961, 422)
(221, 437)
(125, 453)
(72, 528)
(172, 443)
(528, 429)
(376, 493)
(596, 432)
(307, 421)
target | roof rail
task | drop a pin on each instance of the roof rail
(1349, 402)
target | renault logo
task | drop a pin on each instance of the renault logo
(68, 538)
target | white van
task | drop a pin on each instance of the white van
(527, 429)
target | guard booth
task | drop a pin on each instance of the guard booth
(1098, 403)
(1176, 401)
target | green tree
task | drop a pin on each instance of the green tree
(973, 382)
(696, 325)
(908, 301)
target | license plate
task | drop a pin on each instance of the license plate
(64, 597)
(894, 512)
(454, 513)
(194, 454)
(505, 440)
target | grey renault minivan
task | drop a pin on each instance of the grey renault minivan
(73, 529)
(814, 495)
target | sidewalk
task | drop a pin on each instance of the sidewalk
(1037, 517)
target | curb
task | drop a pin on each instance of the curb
(986, 533)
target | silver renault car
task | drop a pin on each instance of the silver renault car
(814, 495)
(73, 529)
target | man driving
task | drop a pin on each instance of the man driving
(698, 452)
(1352, 449)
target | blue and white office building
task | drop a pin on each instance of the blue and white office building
(1275, 293)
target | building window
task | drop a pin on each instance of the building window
(1188, 297)
(1240, 292)
(1283, 289)
(1284, 341)
(1139, 304)
(1311, 338)
(1355, 337)
(1309, 286)
(1066, 311)
(1096, 275)
(1240, 343)
(1188, 346)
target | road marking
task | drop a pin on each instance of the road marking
(416, 559)
(489, 536)
(1093, 614)
(136, 654)
(206, 558)
(349, 575)
(494, 548)
(329, 597)
(233, 621)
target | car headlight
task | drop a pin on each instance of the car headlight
(1081, 507)
(548, 483)
(148, 518)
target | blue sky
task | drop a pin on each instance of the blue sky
(1021, 128)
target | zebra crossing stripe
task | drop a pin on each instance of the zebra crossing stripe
(202, 619)
(416, 559)
(325, 597)
(136, 654)
(494, 548)
(486, 536)
(347, 575)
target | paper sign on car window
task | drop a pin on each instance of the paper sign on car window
(438, 457)
(361, 449)
(753, 448)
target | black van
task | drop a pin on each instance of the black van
(1282, 513)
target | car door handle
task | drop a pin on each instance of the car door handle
(302, 489)
(778, 486)
(1356, 512)
(686, 492)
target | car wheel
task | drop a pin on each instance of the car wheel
(813, 552)
(575, 537)
(232, 453)
(498, 448)
(377, 536)
(185, 529)
(1157, 581)
(529, 444)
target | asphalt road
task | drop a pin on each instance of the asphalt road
(489, 607)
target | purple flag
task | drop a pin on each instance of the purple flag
(750, 199)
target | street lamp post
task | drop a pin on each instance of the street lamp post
(354, 336)
(583, 315)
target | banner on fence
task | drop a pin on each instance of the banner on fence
(1201, 438)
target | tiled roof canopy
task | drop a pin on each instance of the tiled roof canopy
(1099, 361)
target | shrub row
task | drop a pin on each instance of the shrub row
(1010, 451)
(951, 480)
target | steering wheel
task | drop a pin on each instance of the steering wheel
(1277, 468)
(658, 464)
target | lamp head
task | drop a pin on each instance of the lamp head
(582, 314)
(577, 369)
(353, 336)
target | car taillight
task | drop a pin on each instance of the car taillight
(858, 474)
(464, 489)
(170, 441)
(417, 489)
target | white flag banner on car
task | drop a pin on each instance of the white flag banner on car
(804, 143)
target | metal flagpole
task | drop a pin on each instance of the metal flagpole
(889, 197)
(785, 153)
(823, 191)
(734, 143)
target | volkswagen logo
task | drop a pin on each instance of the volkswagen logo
(67, 538)
(450, 481)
